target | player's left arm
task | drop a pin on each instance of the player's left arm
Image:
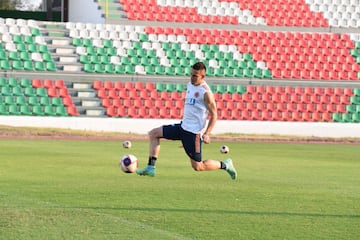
(211, 106)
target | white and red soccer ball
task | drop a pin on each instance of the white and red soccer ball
(224, 149)
(128, 163)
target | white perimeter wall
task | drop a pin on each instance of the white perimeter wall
(85, 11)
(142, 126)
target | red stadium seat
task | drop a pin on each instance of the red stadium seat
(97, 84)
(37, 83)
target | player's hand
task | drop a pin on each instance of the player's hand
(206, 138)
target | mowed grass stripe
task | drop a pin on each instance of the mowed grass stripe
(75, 190)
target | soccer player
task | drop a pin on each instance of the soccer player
(199, 103)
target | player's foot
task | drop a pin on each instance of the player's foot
(147, 171)
(230, 168)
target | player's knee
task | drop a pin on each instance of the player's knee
(154, 133)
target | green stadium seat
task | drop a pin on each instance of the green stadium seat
(37, 110)
(104, 59)
(346, 117)
(47, 57)
(49, 110)
(17, 91)
(160, 70)
(21, 100)
(77, 42)
(107, 43)
(351, 108)
(119, 69)
(13, 82)
(356, 117)
(94, 59)
(17, 39)
(109, 68)
(111, 51)
(40, 66)
(9, 100)
(180, 87)
(159, 87)
(337, 117)
(33, 101)
(150, 70)
(50, 66)
(45, 101)
(29, 92)
(129, 70)
(17, 65)
(91, 51)
(266, 74)
(84, 59)
(41, 92)
(169, 71)
(21, 47)
(3, 110)
(88, 67)
(61, 111)
(5, 65)
(3, 55)
(355, 100)
(86, 42)
(240, 89)
(169, 87)
(28, 39)
(35, 32)
(230, 89)
(32, 48)
(98, 68)
(14, 110)
(100, 51)
(357, 92)
(6, 91)
(28, 65)
(220, 88)
(44, 50)
(25, 56)
(25, 110)
(57, 102)
(3, 82)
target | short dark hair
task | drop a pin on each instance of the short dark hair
(199, 66)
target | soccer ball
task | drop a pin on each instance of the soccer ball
(224, 149)
(128, 163)
(127, 144)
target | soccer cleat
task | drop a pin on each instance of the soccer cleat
(147, 171)
(230, 168)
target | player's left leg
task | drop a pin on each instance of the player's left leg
(154, 149)
(166, 131)
(193, 147)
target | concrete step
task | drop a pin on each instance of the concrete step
(86, 94)
(72, 68)
(95, 112)
(90, 103)
(82, 85)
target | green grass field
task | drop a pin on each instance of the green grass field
(74, 190)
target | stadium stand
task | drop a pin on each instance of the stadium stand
(35, 97)
(287, 65)
(308, 13)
